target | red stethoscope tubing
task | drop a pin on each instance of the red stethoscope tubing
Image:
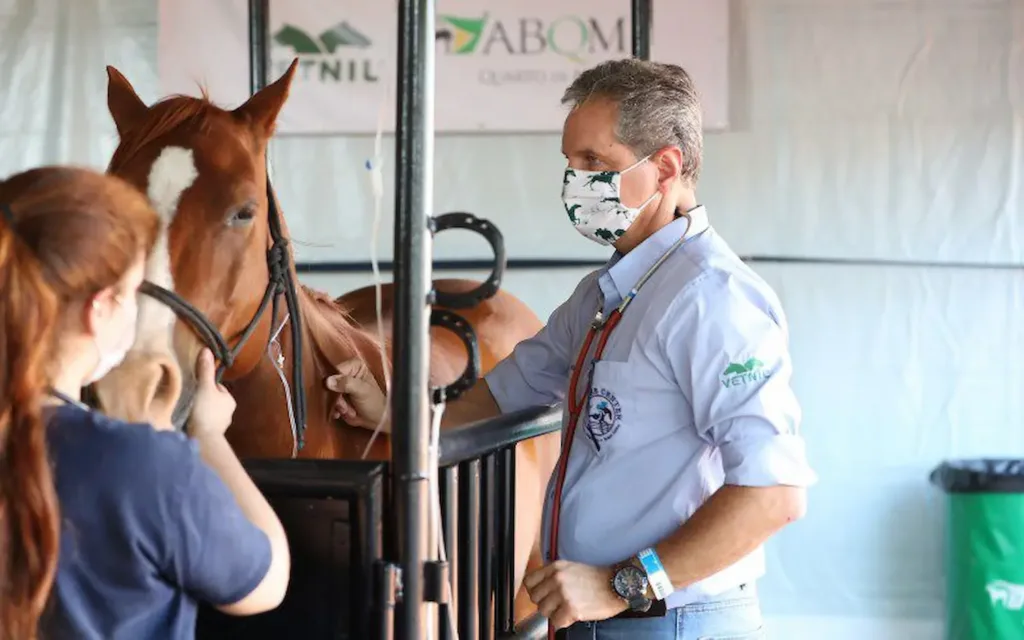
(577, 403)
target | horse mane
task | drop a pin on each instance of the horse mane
(165, 116)
(333, 334)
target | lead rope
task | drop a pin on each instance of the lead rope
(282, 272)
(277, 359)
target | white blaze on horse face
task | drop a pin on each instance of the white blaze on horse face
(172, 173)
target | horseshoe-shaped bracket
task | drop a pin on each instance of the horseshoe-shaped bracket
(460, 327)
(461, 220)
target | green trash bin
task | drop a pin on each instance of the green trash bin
(984, 548)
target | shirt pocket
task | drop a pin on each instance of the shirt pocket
(623, 414)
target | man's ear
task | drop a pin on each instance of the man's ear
(669, 162)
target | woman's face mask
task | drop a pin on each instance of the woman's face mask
(116, 337)
(593, 201)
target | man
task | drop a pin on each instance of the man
(682, 453)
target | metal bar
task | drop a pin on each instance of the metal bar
(451, 265)
(641, 27)
(535, 628)
(505, 590)
(477, 439)
(558, 263)
(414, 148)
(449, 490)
(488, 511)
(259, 55)
(469, 550)
(387, 584)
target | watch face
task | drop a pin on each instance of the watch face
(630, 582)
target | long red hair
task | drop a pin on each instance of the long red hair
(66, 234)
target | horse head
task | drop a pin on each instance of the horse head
(204, 171)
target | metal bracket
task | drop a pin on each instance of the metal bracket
(435, 581)
(389, 583)
(460, 327)
(462, 220)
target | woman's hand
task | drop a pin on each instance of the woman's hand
(213, 406)
(360, 402)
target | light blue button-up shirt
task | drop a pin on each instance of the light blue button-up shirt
(692, 391)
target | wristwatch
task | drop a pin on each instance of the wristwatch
(629, 581)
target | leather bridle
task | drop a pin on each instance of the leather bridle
(281, 283)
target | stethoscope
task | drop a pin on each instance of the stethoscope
(602, 326)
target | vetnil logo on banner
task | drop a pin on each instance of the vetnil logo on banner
(335, 55)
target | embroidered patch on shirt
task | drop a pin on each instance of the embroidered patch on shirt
(604, 416)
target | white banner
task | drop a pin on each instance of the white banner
(501, 67)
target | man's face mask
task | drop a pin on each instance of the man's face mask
(592, 200)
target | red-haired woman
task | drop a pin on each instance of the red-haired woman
(148, 521)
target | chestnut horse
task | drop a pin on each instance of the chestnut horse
(203, 169)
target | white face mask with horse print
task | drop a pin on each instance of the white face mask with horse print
(593, 201)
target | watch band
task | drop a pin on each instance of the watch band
(657, 577)
(639, 602)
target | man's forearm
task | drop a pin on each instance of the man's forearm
(476, 404)
(730, 525)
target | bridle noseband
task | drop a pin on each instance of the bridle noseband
(282, 282)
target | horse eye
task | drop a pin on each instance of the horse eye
(243, 215)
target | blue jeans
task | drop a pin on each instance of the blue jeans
(734, 615)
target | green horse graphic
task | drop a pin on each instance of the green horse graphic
(605, 177)
(572, 213)
(746, 367)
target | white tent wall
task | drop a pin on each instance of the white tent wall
(860, 129)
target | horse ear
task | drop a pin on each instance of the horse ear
(262, 109)
(126, 107)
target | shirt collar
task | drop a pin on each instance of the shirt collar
(624, 271)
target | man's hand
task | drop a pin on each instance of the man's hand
(568, 592)
(360, 402)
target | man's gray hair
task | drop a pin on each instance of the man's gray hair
(658, 106)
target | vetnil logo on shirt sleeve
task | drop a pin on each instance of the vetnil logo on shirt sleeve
(738, 374)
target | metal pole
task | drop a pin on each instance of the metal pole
(259, 58)
(414, 146)
(641, 26)
(469, 550)
(259, 28)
